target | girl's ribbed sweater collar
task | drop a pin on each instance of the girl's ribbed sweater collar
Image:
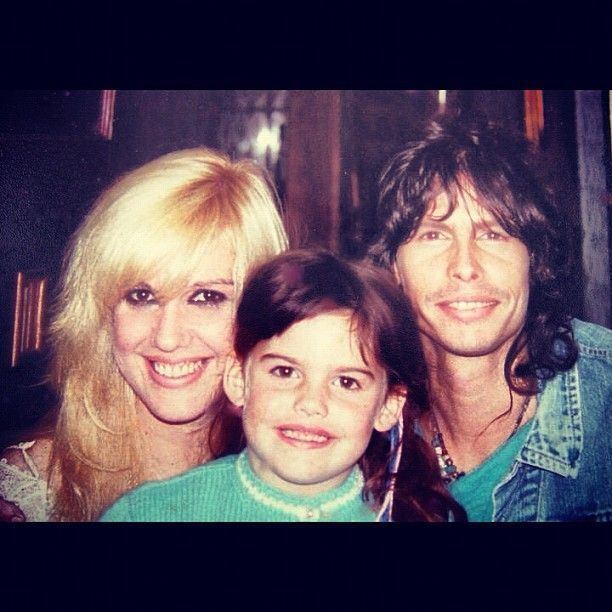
(313, 508)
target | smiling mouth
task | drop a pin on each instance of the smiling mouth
(304, 436)
(464, 305)
(176, 370)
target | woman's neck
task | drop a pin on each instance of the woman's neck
(171, 448)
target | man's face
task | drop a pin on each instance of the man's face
(467, 279)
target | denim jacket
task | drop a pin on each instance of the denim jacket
(564, 470)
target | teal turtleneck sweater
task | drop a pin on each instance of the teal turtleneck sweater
(227, 489)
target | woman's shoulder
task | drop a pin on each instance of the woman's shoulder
(31, 456)
(23, 478)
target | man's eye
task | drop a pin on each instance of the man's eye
(208, 297)
(432, 235)
(493, 235)
(140, 296)
(347, 382)
(283, 372)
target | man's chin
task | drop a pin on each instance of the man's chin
(471, 346)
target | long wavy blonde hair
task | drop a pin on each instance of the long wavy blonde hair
(156, 220)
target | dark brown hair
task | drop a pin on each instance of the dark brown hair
(303, 283)
(499, 165)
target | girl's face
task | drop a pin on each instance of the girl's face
(172, 352)
(310, 404)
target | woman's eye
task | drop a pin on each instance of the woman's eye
(283, 372)
(347, 382)
(208, 297)
(140, 296)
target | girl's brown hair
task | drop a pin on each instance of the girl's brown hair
(303, 283)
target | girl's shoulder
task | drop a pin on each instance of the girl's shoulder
(185, 497)
(206, 471)
(200, 475)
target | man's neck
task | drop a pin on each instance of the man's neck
(467, 395)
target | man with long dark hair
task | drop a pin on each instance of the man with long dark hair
(519, 391)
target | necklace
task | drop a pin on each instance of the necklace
(448, 469)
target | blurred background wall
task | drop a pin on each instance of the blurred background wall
(325, 150)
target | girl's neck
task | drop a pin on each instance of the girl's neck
(305, 491)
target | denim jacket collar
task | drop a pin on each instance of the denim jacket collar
(554, 442)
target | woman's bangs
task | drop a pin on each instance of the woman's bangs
(167, 253)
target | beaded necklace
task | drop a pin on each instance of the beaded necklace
(448, 469)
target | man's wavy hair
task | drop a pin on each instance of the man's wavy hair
(458, 153)
(304, 283)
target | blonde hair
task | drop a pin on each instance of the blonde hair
(157, 220)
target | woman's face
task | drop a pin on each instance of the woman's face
(172, 351)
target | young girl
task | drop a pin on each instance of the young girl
(326, 355)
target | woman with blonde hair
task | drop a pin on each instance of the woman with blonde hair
(141, 331)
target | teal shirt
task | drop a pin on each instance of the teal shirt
(227, 490)
(474, 491)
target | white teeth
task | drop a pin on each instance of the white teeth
(468, 305)
(176, 370)
(302, 436)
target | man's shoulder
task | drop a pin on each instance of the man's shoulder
(593, 368)
(594, 341)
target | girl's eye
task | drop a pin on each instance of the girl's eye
(283, 372)
(208, 297)
(347, 382)
(140, 296)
